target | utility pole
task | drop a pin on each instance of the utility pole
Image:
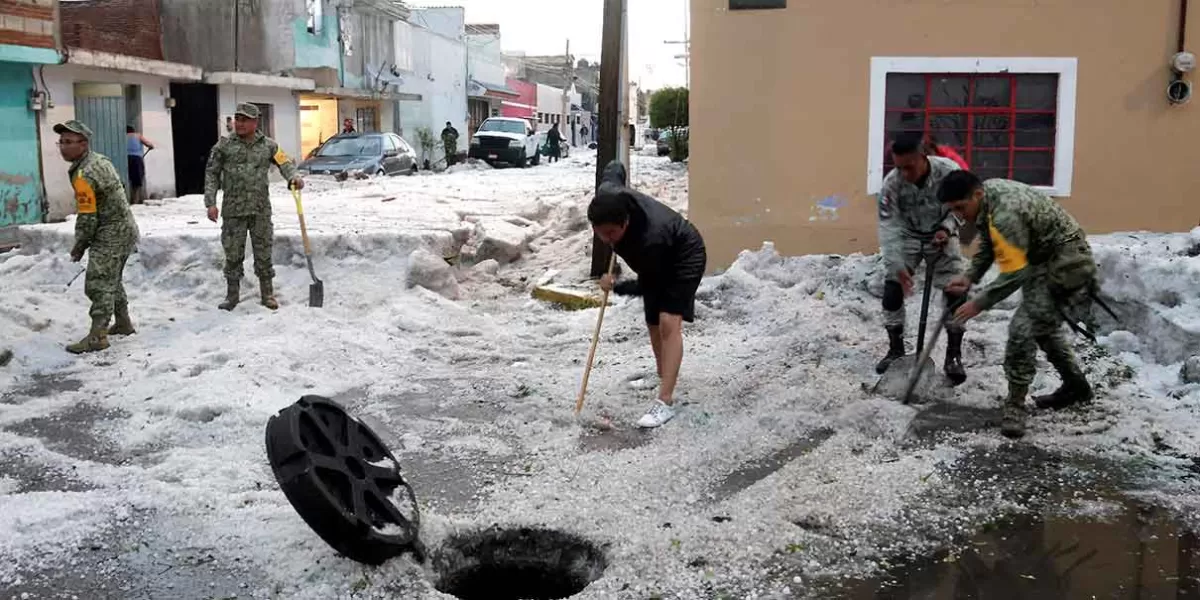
(568, 77)
(609, 136)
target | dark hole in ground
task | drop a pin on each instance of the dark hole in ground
(517, 564)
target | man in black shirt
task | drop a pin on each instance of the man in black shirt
(668, 255)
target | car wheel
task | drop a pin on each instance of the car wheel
(380, 172)
(537, 159)
(523, 161)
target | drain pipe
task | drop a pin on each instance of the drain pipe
(1183, 10)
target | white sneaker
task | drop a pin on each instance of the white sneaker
(657, 416)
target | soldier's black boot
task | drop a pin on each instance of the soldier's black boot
(1012, 425)
(954, 367)
(1075, 388)
(895, 349)
(233, 292)
(268, 293)
(122, 325)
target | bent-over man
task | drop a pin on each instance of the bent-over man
(1041, 250)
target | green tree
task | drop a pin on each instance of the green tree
(669, 111)
(643, 102)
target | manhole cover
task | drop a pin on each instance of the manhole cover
(517, 564)
(343, 481)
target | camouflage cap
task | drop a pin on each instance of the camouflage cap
(247, 110)
(74, 126)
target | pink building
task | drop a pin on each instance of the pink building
(525, 106)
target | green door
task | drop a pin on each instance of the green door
(106, 116)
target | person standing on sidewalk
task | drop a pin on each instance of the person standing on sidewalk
(668, 255)
(450, 144)
(239, 164)
(914, 227)
(104, 228)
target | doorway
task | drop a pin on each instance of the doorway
(194, 129)
(102, 107)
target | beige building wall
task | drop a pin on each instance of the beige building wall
(781, 103)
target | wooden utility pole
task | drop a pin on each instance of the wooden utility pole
(609, 134)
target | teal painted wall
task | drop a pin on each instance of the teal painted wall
(315, 51)
(20, 176)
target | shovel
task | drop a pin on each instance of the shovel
(316, 291)
(612, 260)
(908, 369)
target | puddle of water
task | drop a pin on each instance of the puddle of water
(1137, 552)
(451, 484)
(755, 471)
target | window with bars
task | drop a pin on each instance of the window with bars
(1003, 124)
(366, 120)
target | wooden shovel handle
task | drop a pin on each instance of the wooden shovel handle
(587, 371)
(303, 229)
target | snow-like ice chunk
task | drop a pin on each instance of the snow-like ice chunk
(1190, 371)
(427, 270)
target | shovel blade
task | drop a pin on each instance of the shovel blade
(894, 382)
(316, 294)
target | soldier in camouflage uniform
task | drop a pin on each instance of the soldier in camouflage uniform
(1041, 250)
(239, 164)
(104, 228)
(915, 227)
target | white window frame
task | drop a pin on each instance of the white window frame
(1064, 141)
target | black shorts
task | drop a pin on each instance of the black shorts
(677, 298)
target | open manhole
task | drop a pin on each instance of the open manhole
(342, 479)
(517, 564)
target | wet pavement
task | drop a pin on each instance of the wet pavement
(1136, 552)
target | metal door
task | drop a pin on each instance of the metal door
(105, 115)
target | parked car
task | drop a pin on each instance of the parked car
(505, 140)
(544, 145)
(371, 153)
(664, 139)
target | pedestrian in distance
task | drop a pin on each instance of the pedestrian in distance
(135, 141)
(914, 227)
(450, 144)
(1041, 250)
(239, 165)
(668, 255)
(104, 228)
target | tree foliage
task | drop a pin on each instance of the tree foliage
(669, 108)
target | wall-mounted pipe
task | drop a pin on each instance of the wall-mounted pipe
(1183, 10)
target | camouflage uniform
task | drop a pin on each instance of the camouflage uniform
(1041, 250)
(106, 229)
(909, 216)
(450, 142)
(241, 168)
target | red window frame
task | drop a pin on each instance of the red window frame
(969, 112)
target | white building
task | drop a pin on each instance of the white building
(432, 57)
(550, 108)
(109, 92)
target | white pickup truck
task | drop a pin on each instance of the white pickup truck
(505, 140)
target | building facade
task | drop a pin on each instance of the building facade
(29, 39)
(1042, 93)
(433, 57)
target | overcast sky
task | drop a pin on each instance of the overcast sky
(543, 26)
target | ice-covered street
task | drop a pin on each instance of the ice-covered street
(140, 471)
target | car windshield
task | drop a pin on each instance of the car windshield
(504, 126)
(361, 146)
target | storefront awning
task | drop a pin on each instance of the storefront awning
(361, 94)
(132, 64)
(479, 89)
(257, 80)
